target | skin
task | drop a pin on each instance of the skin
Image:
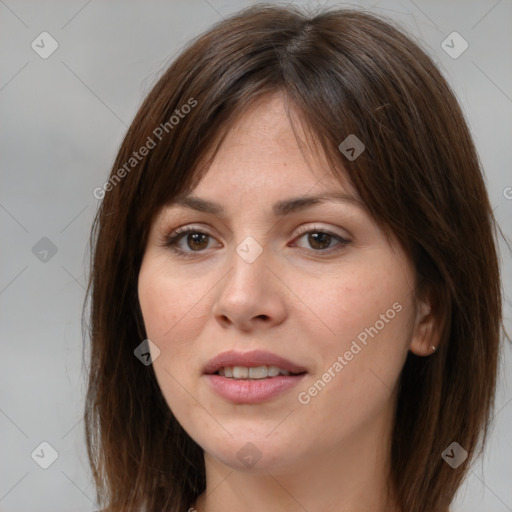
(331, 453)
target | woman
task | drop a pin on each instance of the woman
(296, 299)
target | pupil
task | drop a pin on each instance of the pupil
(319, 238)
(197, 238)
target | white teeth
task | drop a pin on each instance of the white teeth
(273, 371)
(254, 372)
(239, 372)
(258, 372)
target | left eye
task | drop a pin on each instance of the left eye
(319, 241)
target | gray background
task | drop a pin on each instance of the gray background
(63, 119)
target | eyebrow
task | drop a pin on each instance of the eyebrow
(280, 209)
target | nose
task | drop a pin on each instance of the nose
(251, 295)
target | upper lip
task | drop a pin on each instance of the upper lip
(251, 358)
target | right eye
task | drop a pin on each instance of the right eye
(195, 240)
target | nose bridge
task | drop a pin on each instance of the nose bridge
(248, 267)
(247, 292)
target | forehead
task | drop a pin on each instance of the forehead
(267, 151)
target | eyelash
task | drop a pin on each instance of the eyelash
(173, 238)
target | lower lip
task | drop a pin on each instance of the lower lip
(252, 391)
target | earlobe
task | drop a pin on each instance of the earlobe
(427, 331)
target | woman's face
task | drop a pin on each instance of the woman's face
(313, 282)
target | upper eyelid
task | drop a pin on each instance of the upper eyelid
(316, 227)
(181, 231)
(300, 230)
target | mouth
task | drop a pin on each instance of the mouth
(236, 364)
(252, 377)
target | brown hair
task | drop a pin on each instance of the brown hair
(346, 72)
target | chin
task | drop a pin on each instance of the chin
(251, 453)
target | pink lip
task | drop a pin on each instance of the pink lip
(250, 358)
(252, 391)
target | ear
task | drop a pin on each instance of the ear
(428, 327)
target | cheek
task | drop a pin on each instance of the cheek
(369, 293)
(171, 305)
(173, 309)
(366, 315)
